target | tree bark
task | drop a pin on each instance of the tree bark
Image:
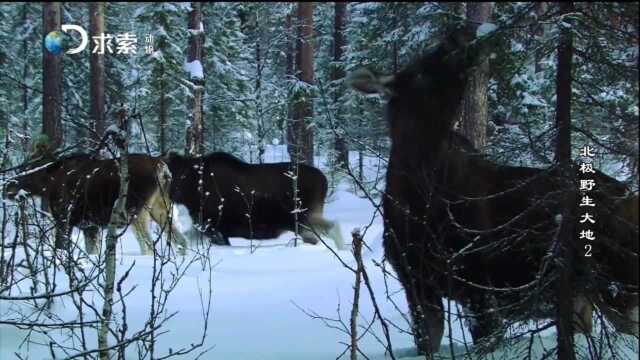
(289, 76)
(117, 219)
(52, 79)
(301, 136)
(339, 42)
(566, 233)
(162, 113)
(259, 110)
(97, 73)
(475, 112)
(540, 9)
(25, 90)
(195, 140)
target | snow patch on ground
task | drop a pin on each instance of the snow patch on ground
(260, 287)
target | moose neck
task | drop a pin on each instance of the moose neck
(421, 134)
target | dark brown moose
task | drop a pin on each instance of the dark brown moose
(228, 197)
(462, 227)
(81, 191)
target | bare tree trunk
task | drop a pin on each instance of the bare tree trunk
(52, 79)
(51, 86)
(195, 140)
(475, 112)
(25, 90)
(162, 113)
(118, 217)
(284, 124)
(97, 73)
(357, 254)
(339, 42)
(301, 137)
(540, 8)
(565, 235)
(259, 110)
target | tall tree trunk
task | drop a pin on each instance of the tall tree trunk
(97, 73)
(52, 79)
(162, 113)
(117, 219)
(301, 138)
(540, 9)
(25, 90)
(195, 140)
(52, 91)
(339, 42)
(289, 76)
(566, 233)
(259, 110)
(475, 112)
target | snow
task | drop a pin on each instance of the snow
(21, 194)
(198, 31)
(263, 292)
(485, 29)
(194, 68)
(157, 55)
(257, 293)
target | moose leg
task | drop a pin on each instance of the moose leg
(428, 325)
(141, 230)
(218, 238)
(308, 235)
(582, 315)
(62, 238)
(91, 239)
(160, 210)
(484, 325)
(321, 226)
(329, 228)
(624, 321)
(426, 309)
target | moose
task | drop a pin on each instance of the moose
(458, 225)
(228, 197)
(82, 190)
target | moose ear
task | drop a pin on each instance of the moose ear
(367, 82)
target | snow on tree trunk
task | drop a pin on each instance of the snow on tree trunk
(339, 42)
(289, 76)
(118, 216)
(52, 79)
(300, 134)
(193, 66)
(96, 65)
(540, 10)
(474, 107)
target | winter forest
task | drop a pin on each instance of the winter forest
(318, 180)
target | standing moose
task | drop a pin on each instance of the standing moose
(228, 197)
(460, 226)
(81, 191)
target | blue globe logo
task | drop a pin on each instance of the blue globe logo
(53, 42)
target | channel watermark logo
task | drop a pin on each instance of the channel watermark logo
(57, 42)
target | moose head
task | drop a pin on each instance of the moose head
(425, 95)
(41, 166)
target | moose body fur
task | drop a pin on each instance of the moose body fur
(228, 197)
(81, 191)
(462, 227)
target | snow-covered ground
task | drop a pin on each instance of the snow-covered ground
(259, 295)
